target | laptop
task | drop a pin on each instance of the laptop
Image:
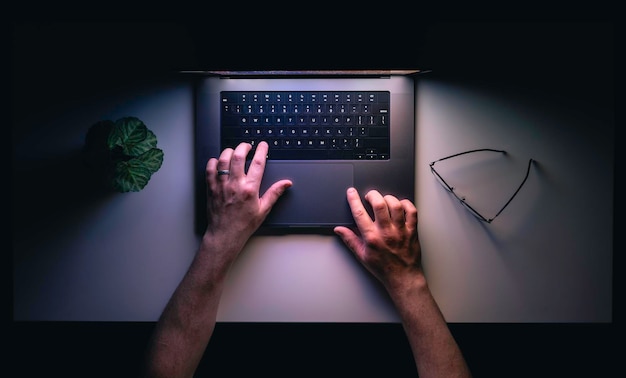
(327, 131)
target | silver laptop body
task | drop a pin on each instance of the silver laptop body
(317, 201)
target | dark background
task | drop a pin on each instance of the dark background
(88, 57)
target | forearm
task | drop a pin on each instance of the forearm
(188, 320)
(435, 351)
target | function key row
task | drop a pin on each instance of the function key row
(307, 97)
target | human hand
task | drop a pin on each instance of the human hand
(235, 208)
(387, 246)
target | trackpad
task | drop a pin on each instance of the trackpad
(317, 197)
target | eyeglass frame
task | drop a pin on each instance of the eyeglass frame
(462, 200)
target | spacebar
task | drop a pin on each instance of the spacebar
(308, 154)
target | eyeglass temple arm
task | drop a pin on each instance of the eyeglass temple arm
(530, 162)
(467, 152)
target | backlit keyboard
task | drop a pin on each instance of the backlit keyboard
(309, 125)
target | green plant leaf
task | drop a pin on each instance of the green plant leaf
(142, 147)
(152, 159)
(127, 134)
(131, 176)
(134, 174)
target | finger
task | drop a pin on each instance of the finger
(396, 210)
(351, 240)
(361, 217)
(223, 163)
(381, 212)
(211, 174)
(271, 195)
(410, 214)
(257, 165)
(238, 160)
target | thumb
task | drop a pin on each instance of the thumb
(350, 239)
(272, 194)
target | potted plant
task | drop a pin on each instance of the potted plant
(122, 155)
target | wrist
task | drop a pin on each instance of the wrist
(407, 286)
(215, 256)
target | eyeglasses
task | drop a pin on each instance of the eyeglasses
(462, 199)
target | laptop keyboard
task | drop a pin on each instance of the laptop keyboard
(309, 125)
